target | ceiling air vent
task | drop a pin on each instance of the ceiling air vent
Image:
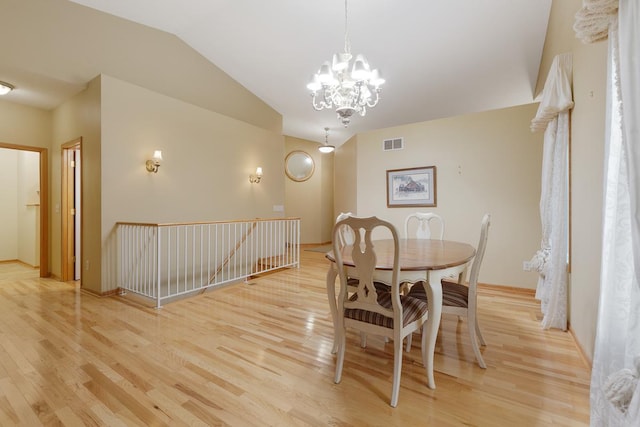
(393, 144)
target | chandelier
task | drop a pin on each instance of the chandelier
(349, 88)
(326, 148)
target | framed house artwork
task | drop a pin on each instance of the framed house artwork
(414, 187)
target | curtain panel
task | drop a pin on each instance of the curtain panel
(615, 384)
(551, 259)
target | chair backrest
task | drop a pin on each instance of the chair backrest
(423, 230)
(346, 236)
(482, 244)
(363, 255)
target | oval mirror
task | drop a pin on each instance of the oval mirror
(299, 166)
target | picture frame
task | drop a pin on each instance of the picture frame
(412, 187)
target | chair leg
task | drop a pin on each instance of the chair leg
(363, 340)
(341, 340)
(427, 360)
(333, 305)
(397, 371)
(479, 333)
(471, 325)
(409, 339)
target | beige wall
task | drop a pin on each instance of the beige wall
(485, 162)
(311, 200)
(22, 125)
(79, 118)
(587, 159)
(346, 178)
(204, 176)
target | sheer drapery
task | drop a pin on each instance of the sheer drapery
(551, 260)
(615, 385)
(592, 21)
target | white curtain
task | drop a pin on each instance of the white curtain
(551, 260)
(615, 385)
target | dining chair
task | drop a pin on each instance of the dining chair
(371, 309)
(423, 228)
(422, 231)
(462, 300)
(346, 234)
(347, 237)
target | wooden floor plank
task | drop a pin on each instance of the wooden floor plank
(260, 355)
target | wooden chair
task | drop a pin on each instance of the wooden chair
(369, 309)
(346, 234)
(423, 230)
(462, 300)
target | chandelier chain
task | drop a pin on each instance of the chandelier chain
(347, 44)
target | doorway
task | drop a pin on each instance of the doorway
(43, 181)
(71, 205)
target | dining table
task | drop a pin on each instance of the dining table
(421, 260)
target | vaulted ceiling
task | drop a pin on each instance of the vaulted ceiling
(440, 58)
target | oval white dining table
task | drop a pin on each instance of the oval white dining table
(426, 260)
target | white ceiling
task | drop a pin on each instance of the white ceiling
(440, 58)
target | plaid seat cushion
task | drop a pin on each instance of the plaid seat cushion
(453, 294)
(413, 309)
(352, 281)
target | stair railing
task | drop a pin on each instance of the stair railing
(165, 261)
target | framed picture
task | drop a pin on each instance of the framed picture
(411, 187)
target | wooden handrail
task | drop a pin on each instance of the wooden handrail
(171, 224)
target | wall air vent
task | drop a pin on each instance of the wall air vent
(393, 144)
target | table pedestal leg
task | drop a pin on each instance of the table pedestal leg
(433, 289)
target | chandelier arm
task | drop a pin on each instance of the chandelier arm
(314, 103)
(372, 102)
(327, 97)
(358, 100)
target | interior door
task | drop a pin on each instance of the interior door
(71, 210)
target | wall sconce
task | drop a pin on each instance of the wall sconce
(154, 163)
(254, 179)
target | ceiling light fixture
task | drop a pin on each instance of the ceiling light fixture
(348, 88)
(5, 88)
(326, 148)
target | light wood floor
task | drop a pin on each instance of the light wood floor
(259, 354)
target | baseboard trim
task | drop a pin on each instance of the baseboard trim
(510, 289)
(17, 261)
(583, 354)
(312, 245)
(100, 294)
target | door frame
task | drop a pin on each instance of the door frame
(66, 204)
(44, 202)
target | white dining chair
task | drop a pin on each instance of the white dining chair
(346, 234)
(462, 300)
(423, 227)
(372, 310)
